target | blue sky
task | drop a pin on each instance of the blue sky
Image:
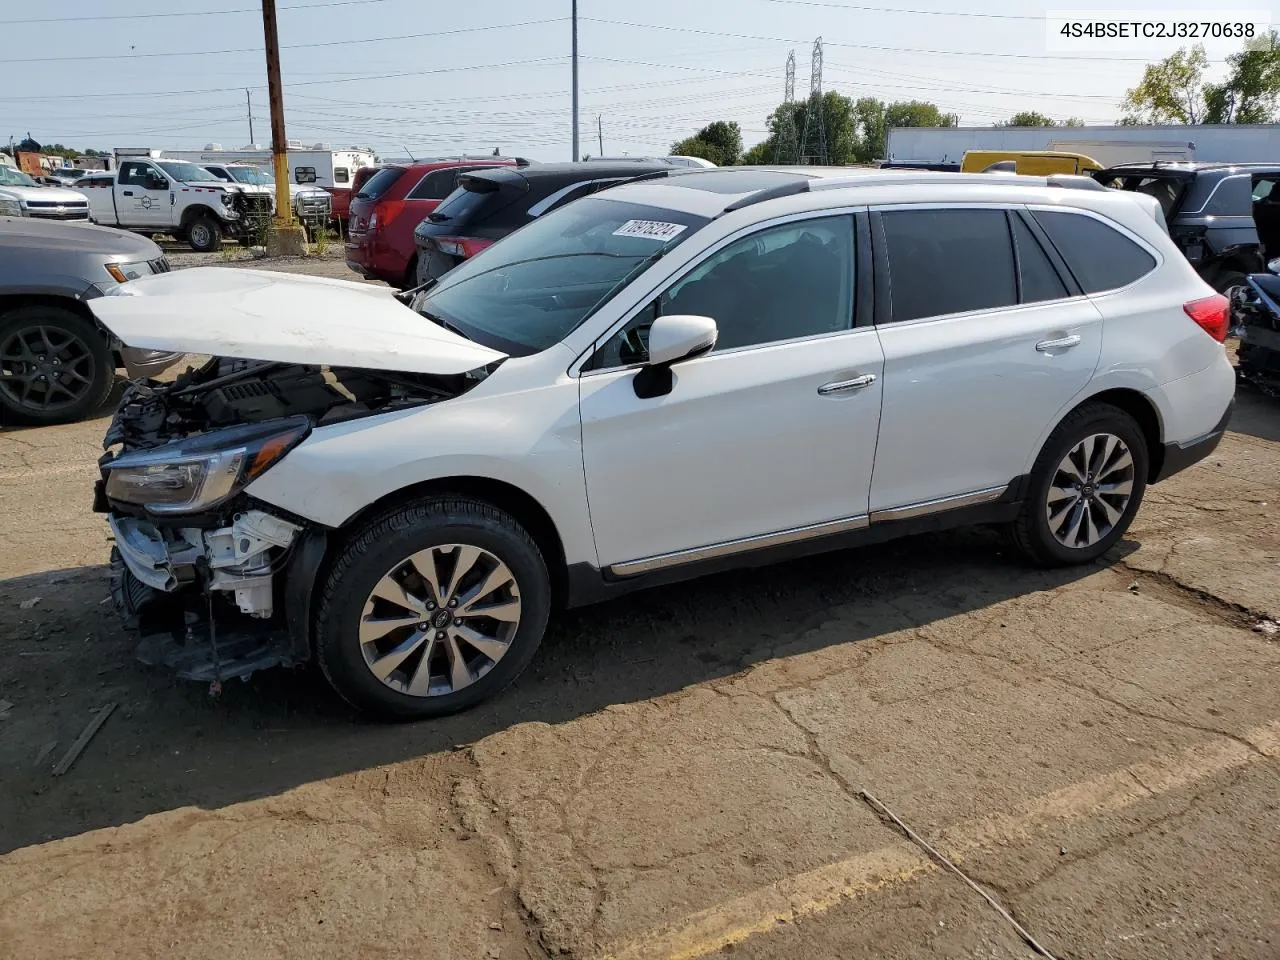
(437, 77)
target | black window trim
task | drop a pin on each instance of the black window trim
(582, 365)
(1124, 231)
(1074, 288)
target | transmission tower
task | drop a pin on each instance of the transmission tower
(813, 141)
(785, 147)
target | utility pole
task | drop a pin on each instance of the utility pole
(249, 104)
(600, 134)
(285, 235)
(575, 79)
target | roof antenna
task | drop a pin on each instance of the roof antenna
(412, 158)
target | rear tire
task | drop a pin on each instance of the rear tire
(204, 235)
(31, 340)
(1086, 486)
(402, 630)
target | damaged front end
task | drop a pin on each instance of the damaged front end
(217, 583)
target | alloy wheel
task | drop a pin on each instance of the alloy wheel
(440, 620)
(45, 368)
(1090, 490)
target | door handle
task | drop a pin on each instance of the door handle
(846, 386)
(128, 193)
(1062, 343)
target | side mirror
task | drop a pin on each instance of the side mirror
(676, 338)
(1274, 265)
(672, 339)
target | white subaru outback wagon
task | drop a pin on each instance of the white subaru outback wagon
(681, 374)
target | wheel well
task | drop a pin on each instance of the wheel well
(526, 511)
(191, 213)
(1144, 412)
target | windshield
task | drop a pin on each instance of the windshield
(185, 172)
(251, 175)
(529, 291)
(13, 177)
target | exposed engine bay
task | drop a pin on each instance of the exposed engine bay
(224, 392)
(200, 568)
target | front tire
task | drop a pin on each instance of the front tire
(55, 366)
(431, 609)
(1085, 488)
(204, 235)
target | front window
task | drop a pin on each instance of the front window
(528, 292)
(251, 175)
(184, 172)
(13, 177)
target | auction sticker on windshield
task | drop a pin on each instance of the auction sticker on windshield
(650, 230)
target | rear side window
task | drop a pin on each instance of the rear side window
(948, 261)
(380, 183)
(1038, 278)
(438, 184)
(1100, 256)
(462, 205)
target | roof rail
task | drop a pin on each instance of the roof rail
(771, 193)
(1073, 181)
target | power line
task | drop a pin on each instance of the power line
(924, 13)
(290, 46)
(303, 83)
(878, 47)
(64, 20)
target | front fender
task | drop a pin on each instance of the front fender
(531, 441)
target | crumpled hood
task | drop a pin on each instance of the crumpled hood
(283, 317)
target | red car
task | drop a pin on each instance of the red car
(390, 204)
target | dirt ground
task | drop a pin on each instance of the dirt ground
(681, 773)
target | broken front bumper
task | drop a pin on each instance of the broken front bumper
(204, 601)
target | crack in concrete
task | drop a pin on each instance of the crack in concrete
(1196, 598)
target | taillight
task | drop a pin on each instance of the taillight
(1213, 314)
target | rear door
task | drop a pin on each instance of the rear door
(986, 337)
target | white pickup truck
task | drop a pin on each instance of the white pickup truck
(154, 195)
(311, 205)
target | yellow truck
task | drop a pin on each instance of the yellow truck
(1034, 163)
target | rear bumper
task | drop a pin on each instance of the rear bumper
(1178, 456)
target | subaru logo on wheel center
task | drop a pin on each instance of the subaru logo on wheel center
(441, 619)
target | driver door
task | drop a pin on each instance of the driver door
(140, 200)
(770, 435)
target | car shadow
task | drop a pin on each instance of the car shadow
(170, 744)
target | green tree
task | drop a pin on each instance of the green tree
(720, 142)
(1171, 91)
(868, 116)
(1028, 118)
(1250, 92)
(759, 155)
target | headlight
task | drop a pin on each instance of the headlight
(124, 272)
(197, 473)
(10, 207)
(226, 199)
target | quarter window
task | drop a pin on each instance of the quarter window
(948, 261)
(790, 281)
(1101, 257)
(1039, 281)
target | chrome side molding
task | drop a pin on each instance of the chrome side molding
(727, 548)
(910, 510)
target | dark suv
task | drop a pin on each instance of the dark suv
(489, 204)
(1225, 218)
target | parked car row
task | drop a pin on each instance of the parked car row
(411, 223)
